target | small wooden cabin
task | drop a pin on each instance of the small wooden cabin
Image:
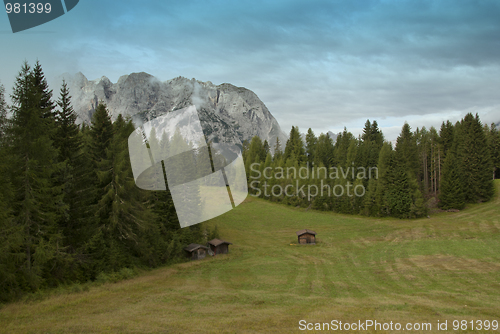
(219, 246)
(306, 236)
(196, 252)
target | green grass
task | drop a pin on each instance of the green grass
(445, 267)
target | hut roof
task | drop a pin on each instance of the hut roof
(304, 231)
(217, 242)
(193, 247)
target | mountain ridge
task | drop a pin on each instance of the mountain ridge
(230, 113)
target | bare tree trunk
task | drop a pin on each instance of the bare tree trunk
(432, 168)
(439, 167)
(435, 175)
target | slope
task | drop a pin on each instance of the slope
(443, 268)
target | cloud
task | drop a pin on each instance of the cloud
(318, 64)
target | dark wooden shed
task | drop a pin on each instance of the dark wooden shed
(219, 246)
(196, 252)
(306, 236)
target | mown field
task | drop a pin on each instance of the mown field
(446, 267)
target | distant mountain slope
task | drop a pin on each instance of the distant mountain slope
(232, 114)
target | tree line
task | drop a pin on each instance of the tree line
(69, 206)
(71, 211)
(367, 175)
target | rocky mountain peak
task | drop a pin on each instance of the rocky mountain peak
(230, 113)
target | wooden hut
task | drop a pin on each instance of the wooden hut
(306, 236)
(219, 246)
(196, 252)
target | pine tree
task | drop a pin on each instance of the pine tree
(101, 134)
(3, 114)
(404, 196)
(452, 194)
(384, 165)
(37, 203)
(399, 192)
(494, 144)
(311, 142)
(97, 241)
(435, 161)
(342, 144)
(406, 150)
(422, 137)
(129, 218)
(11, 234)
(254, 154)
(446, 135)
(67, 138)
(476, 160)
(11, 237)
(46, 104)
(265, 149)
(324, 151)
(82, 196)
(295, 146)
(277, 149)
(68, 141)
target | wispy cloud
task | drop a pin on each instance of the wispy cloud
(319, 64)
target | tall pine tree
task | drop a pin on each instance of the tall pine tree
(476, 160)
(38, 202)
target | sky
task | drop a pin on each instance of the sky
(323, 65)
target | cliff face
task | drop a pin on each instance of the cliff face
(229, 113)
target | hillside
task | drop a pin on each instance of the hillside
(443, 268)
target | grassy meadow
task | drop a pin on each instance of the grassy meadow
(446, 267)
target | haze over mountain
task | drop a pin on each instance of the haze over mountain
(228, 113)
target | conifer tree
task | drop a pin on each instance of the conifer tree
(381, 206)
(295, 146)
(11, 237)
(324, 151)
(37, 202)
(265, 149)
(82, 195)
(98, 244)
(404, 196)
(68, 141)
(311, 142)
(46, 104)
(67, 138)
(277, 149)
(3, 114)
(406, 150)
(11, 234)
(494, 144)
(341, 146)
(476, 160)
(452, 194)
(254, 154)
(129, 217)
(446, 135)
(422, 137)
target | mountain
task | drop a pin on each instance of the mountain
(230, 114)
(333, 136)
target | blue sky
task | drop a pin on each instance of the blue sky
(318, 64)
